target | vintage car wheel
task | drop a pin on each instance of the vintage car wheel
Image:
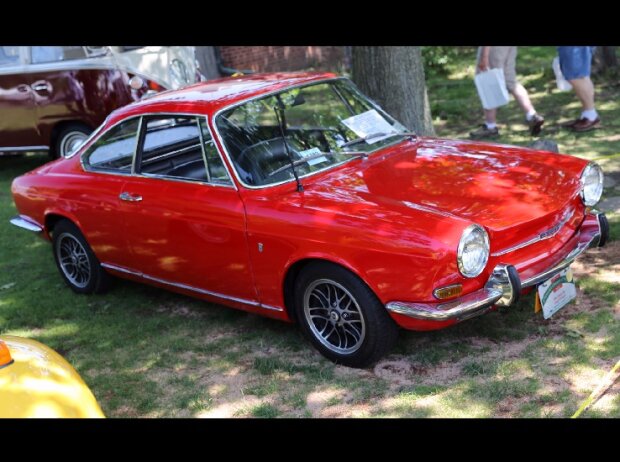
(76, 261)
(69, 139)
(341, 316)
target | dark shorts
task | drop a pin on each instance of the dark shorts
(575, 62)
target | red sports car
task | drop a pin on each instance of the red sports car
(296, 197)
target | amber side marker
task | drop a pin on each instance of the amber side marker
(5, 355)
(448, 291)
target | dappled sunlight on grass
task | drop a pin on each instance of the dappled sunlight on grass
(148, 352)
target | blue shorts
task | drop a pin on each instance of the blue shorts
(575, 62)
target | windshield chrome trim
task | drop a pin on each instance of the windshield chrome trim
(244, 301)
(264, 95)
(102, 131)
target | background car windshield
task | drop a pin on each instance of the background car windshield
(316, 118)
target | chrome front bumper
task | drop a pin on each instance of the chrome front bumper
(502, 288)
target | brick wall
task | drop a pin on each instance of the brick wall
(283, 58)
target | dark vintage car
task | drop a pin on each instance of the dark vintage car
(52, 97)
(296, 197)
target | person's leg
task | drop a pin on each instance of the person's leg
(523, 99)
(490, 117)
(520, 94)
(575, 63)
(584, 89)
(489, 128)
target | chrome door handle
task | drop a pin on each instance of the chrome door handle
(39, 87)
(128, 197)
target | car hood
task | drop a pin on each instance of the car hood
(499, 187)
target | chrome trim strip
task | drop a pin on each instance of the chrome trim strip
(135, 149)
(202, 148)
(101, 131)
(24, 148)
(263, 95)
(24, 222)
(548, 234)
(190, 288)
(541, 277)
(465, 307)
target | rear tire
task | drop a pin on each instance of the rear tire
(76, 261)
(69, 139)
(341, 316)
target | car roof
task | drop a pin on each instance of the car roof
(210, 96)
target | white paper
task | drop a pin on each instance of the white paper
(491, 86)
(557, 292)
(367, 123)
(313, 152)
(560, 81)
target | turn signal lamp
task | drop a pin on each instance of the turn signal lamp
(451, 291)
(5, 355)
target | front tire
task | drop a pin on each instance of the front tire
(76, 261)
(341, 316)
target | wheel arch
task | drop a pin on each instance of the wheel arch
(52, 218)
(294, 268)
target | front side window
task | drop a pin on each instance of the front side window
(317, 120)
(9, 56)
(46, 54)
(114, 150)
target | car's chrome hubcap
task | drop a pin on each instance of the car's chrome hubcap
(334, 316)
(73, 260)
(71, 142)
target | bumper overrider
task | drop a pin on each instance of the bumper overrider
(504, 286)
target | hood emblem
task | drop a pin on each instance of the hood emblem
(551, 231)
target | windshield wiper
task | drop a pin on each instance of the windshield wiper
(279, 110)
(318, 155)
(376, 135)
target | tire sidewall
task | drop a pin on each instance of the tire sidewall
(374, 314)
(66, 227)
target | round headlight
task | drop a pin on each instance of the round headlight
(473, 252)
(591, 184)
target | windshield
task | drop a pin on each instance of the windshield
(316, 118)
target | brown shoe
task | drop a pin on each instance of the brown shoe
(570, 124)
(585, 125)
(484, 132)
(535, 124)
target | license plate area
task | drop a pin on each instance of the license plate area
(555, 293)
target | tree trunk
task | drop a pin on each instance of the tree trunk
(207, 61)
(604, 58)
(394, 78)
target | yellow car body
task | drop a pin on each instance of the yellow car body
(35, 381)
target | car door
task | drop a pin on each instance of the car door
(107, 162)
(184, 219)
(17, 107)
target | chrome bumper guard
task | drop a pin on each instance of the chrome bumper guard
(502, 289)
(22, 221)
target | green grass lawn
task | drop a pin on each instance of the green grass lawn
(148, 352)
